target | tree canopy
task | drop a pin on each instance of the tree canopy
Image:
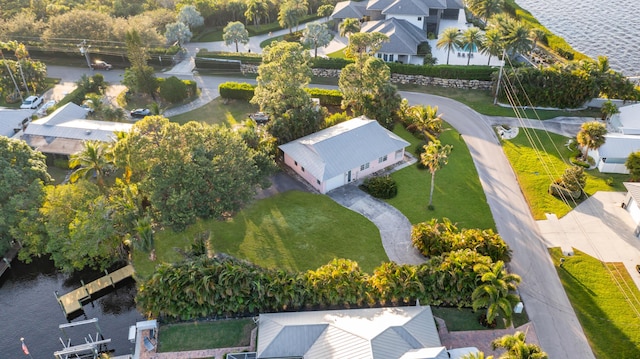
(235, 33)
(22, 180)
(191, 171)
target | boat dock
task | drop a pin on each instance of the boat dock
(5, 263)
(72, 301)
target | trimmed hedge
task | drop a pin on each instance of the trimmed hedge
(236, 90)
(327, 97)
(217, 64)
(245, 91)
(482, 73)
(245, 58)
(383, 187)
(330, 63)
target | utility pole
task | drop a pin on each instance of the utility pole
(11, 74)
(495, 98)
(24, 81)
(84, 50)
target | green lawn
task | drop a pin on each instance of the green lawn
(596, 292)
(217, 112)
(205, 335)
(293, 230)
(458, 194)
(340, 54)
(534, 179)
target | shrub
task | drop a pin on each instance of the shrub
(236, 90)
(383, 187)
(173, 90)
(330, 63)
(327, 97)
(335, 119)
(474, 72)
(558, 190)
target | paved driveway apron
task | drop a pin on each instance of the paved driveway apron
(547, 305)
(395, 228)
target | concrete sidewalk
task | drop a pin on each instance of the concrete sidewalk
(599, 227)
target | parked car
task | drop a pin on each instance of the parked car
(101, 65)
(31, 102)
(140, 113)
(43, 110)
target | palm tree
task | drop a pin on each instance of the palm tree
(472, 39)
(518, 40)
(434, 157)
(591, 136)
(478, 355)
(517, 348)
(496, 293)
(256, 11)
(485, 8)
(96, 157)
(450, 40)
(608, 109)
(349, 26)
(492, 44)
(427, 120)
(537, 34)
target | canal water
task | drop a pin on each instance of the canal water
(28, 308)
(594, 27)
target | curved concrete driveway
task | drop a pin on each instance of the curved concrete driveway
(395, 228)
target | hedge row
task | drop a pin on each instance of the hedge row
(244, 91)
(114, 56)
(217, 64)
(245, 58)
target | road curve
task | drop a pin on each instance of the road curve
(546, 302)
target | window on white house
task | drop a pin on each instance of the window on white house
(382, 159)
(296, 162)
(391, 58)
(379, 55)
(302, 169)
(364, 166)
(419, 18)
(385, 57)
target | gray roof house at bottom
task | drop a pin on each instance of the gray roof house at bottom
(372, 333)
(337, 149)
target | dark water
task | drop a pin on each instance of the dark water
(28, 309)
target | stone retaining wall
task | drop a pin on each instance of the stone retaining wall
(399, 78)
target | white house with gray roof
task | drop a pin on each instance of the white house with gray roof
(371, 333)
(622, 139)
(65, 129)
(405, 22)
(343, 153)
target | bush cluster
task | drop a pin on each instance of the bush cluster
(245, 91)
(482, 73)
(172, 89)
(383, 187)
(222, 286)
(435, 238)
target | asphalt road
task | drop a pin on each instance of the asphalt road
(547, 305)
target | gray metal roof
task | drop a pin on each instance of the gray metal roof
(12, 119)
(634, 190)
(454, 4)
(372, 333)
(379, 5)
(349, 9)
(340, 148)
(69, 111)
(619, 146)
(404, 37)
(407, 7)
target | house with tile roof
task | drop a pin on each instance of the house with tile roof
(65, 129)
(343, 153)
(622, 139)
(412, 21)
(371, 333)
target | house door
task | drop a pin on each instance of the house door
(349, 176)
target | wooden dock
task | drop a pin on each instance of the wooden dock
(5, 263)
(72, 301)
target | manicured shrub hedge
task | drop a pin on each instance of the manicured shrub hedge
(327, 97)
(245, 58)
(383, 187)
(244, 91)
(217, 64)
(222, 286)
(482, 73)
(236, 90)
(329, 63)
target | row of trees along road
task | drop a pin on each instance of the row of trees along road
(164, 173)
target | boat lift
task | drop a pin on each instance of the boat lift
(92, 347)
